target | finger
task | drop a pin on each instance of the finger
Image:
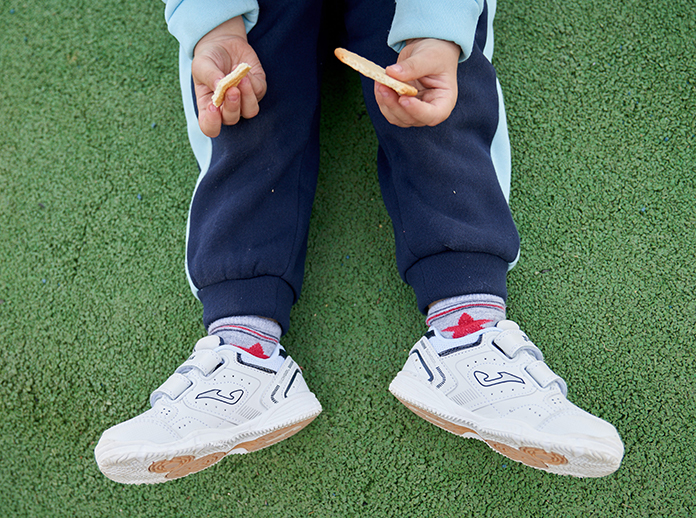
(385, 101)
(206, 73)
(204, 96)
(433, 108)
(424, 113)
(411, 111)
(209, 120)
(249, 103)
(231, 106)
(258, 84)
(388, 101)
(409, 69)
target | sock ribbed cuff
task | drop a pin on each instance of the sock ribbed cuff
(256, 335)
(459, 316)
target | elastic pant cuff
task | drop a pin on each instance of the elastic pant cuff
(451, 274)
(268, 296)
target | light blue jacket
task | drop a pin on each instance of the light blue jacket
(451, 20)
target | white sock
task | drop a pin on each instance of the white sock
(256, 335)
(460, 316)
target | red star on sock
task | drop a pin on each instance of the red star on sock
(466, 326)
(256, 350)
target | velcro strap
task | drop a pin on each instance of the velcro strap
(512, 341)
(544, 376)
(175, 385)
(205, 361)
(208, 342)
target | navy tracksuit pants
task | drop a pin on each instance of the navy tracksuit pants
(444, 187)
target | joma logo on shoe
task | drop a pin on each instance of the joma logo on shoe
(486, 380)
(218, 395)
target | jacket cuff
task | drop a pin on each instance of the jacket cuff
(449, 20)
(189, 21)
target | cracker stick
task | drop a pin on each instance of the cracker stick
(230, 80)
(374, 71)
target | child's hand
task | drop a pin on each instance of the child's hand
(431, 66)
(215, 55)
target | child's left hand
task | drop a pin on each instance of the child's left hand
(431, 66)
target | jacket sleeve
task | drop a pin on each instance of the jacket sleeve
(190, 20)
(451, 20)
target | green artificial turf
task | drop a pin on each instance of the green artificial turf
(95, 311)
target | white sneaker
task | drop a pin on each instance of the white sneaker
(497, 389)
(221, 401)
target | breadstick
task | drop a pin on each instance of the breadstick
(230, 80)
(374, 71)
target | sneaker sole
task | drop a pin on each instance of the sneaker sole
(135, 463)
(576, 456)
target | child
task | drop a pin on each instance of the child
(444, 171)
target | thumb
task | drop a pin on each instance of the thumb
(206, 72)
(409, 69)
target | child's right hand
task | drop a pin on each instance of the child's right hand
(216, 55)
